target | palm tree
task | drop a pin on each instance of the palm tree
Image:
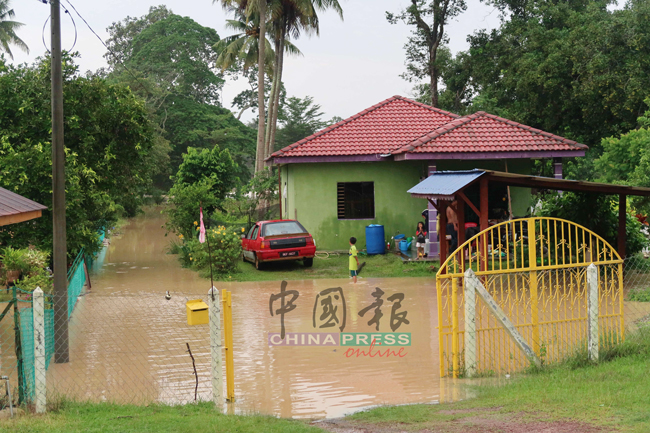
(286, 19)
(289, 19)
(8, 30)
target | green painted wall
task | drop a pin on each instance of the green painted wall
(311, 196)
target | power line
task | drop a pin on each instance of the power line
(74, 44)
(142, 85)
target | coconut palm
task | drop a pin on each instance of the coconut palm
(289, 19)
(251, 9)
(8, 30)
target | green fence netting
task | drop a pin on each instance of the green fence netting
(27, 345)
(76, 283)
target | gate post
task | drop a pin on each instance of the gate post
(39, 350)
(215, 346)
(532, 284)
(455, 341)
(470, 328)
(592, 312)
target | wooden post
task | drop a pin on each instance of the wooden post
(483, 219)
(214, 304)
(622, 209)
(39, 350)
(592, 312)
(460, 215)
(442, 235)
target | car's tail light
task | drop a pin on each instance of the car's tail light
(265, 244)
(310, 241)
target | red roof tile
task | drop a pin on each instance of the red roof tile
(483, 132)
(377, 130)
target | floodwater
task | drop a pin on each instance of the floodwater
(129, 344)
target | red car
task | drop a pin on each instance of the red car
(270, 241)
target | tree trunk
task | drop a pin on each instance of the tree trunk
(434, 87)
(278, 91)
(268, 147)
(259, 157)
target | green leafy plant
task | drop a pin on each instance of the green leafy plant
(14, 259)
(225, 246)
(639, 295)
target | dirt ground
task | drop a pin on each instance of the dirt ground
(490, 420)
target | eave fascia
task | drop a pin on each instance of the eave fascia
(490, 155)
(332, 158)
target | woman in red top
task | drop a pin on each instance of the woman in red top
(420, 239)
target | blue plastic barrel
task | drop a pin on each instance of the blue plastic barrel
(375, 239)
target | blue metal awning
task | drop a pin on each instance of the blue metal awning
(443, 185)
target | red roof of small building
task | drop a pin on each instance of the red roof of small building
(483, 132)
(400, 125)
(376, 130)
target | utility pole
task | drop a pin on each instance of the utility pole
(61, 348)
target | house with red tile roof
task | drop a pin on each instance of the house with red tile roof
(357, 172)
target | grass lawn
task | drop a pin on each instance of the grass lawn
(388, 265)
(610, 396)
(104, 417)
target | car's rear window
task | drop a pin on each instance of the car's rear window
(283, 228)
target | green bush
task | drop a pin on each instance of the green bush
(225, 246)
(639, 295)
(598, 213)
(31, 263)
(14, 259)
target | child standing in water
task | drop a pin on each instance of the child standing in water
(354, 260)
(421, 238)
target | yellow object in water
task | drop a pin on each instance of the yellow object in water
(197, 312)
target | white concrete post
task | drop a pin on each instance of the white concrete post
(470, 328)
(592, 311)
(214, 303)
(39, 350)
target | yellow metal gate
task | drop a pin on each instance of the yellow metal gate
(535, 269)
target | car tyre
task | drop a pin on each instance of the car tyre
(258, 264)
(308, 262)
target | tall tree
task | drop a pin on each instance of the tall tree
(8, 30)
(108, 146)
(429, 17)
(286, 19)
(290, 18)
(171, 62)
(575, 68)
(298, 118)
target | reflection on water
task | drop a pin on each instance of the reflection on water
(128, 343)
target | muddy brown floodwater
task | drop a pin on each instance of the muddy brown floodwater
(128, 343)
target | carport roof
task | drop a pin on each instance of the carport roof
(444, 185)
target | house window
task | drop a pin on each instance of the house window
(356, 200)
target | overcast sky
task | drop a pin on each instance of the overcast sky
(354, 63)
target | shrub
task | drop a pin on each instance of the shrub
(639, 295)
(225, 246)
(598, 213)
